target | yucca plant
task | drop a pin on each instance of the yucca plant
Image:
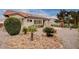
(24, 30)
(32, 29)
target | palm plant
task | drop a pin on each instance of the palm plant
(32, 29)
(24, 30)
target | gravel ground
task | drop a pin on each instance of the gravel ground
(23, 41)
(69, 38)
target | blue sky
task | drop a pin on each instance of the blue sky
(47, 12)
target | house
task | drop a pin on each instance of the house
(27, 19)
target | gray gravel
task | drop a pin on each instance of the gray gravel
(69, 38)
(23, 41)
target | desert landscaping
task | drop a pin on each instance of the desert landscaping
(23, 41)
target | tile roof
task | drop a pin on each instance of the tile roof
(11, 12)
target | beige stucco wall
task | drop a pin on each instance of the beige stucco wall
(26, 23)
(48, 23)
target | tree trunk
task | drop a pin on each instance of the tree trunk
(76, 22)
(31, 36)
(68, 23)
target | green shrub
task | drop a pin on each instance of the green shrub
(66, 26)
(49, 31)
(55, 25)
(74, 26)
(24, 30)
(32, 28)
(12, 25)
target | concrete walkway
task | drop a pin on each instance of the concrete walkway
(69, 38)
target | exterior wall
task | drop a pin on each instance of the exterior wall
(51, 21)
(26, 23)
(48, 23)
(39, 22)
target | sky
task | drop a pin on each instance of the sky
(47, 12)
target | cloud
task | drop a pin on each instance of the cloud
(37, 11)
(53, 17)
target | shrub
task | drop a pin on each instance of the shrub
(49, 31)
(32, 28)
(12, 25)
(74, 26)
(55, 25)
(24, 30)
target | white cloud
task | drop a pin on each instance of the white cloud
(54, 17)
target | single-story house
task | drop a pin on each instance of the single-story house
(27, 19)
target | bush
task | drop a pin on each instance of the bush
(55, 25)
(12, 25)
(49, 31)
(24, 30)
(32, 28)
(74, 26)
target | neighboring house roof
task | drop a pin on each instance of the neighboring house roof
(10, 12)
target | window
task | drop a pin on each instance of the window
(37, 21)
(29, 20)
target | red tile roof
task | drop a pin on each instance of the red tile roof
(10, 12)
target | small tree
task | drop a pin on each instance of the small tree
(32, 29)
(49, 31)
(12, 25)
